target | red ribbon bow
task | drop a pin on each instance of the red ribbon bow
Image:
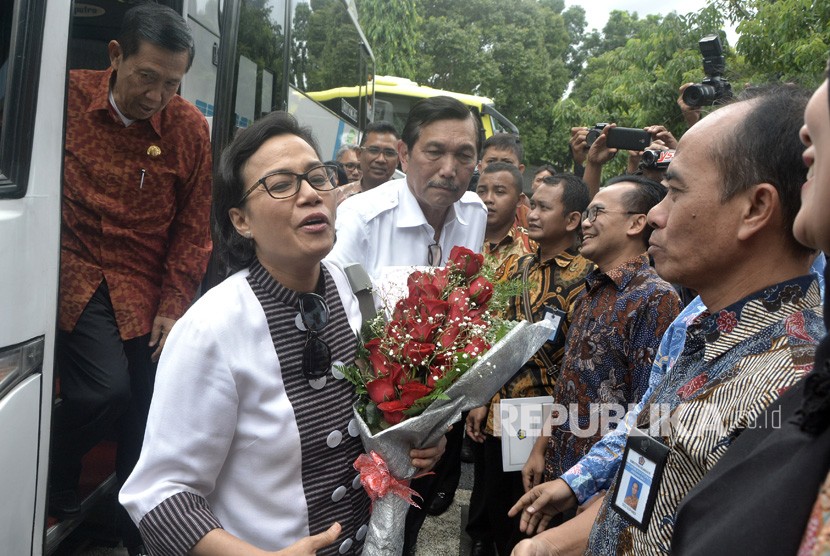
(377, 481)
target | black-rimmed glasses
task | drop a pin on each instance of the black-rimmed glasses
(283, 184)
(591, 214)
(374, 152)
(316, 353)
(434, 255)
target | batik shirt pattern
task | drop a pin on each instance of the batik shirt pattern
(615, 332)
(136, 207)
(555, 283)
(734, 363)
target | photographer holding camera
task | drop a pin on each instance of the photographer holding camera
(601, 151)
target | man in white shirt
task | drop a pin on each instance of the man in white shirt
(417, 220)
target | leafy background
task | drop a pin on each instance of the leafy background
(535, 59)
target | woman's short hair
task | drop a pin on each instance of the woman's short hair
(235, 251)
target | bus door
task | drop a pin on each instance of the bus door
(33, 37)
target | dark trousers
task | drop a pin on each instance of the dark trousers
(494, 493)
(106, 385)
(445, 479)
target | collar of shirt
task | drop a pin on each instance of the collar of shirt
(506, 240)
(562, 259)
(101, 101)
(721, 331)
(620, 275)
(410, 214)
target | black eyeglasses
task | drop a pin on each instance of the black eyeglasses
(316, 353)
(591, 214)
(351, 165)
(283, 184)
(434, 254)
(375, 151)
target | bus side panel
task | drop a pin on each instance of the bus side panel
(329, 130)
(30, 250)
(19, 412)
(199, 84)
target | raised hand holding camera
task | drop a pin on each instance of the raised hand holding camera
(714, 87)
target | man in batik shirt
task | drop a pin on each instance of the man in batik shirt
(725, 230)
(500, 188)
(554, 276)
(617, 324)
(135, 241)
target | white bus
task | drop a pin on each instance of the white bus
(252, 57)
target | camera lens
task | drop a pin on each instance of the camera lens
(650, 157)
(700, 94)
(591, 136)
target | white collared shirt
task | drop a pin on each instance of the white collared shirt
(385, 227)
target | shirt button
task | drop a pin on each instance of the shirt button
(334, 439)
(318, 383)
(354, 430)
(335, 371)
(298, 322)
(338, 494)
(361, 532)
(356, 484)
(345, 546)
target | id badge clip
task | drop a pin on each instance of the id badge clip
(555, 317)
(638, 479)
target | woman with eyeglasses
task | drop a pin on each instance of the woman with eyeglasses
(251, 439)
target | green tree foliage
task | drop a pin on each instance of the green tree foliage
(333, 46)
(524, 53)
(513, 51)
(785, 40)
(395, 45)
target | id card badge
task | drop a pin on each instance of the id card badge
(554, 316)
(638, 479)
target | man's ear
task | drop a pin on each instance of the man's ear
(115, 53)
(759, 205)
(573, 220)
(521, 168)
(638, 224)
(403, 155)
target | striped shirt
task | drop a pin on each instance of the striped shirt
(734, 363)
(238, 437)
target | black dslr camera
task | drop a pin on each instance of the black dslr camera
(714, 87)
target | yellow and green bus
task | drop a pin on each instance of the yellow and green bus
(393, 97)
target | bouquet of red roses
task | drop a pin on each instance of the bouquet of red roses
(435, 334)
(441, 352)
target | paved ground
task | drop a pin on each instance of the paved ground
(440, 536)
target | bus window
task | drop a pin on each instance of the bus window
(19, 71)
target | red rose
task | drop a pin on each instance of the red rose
(481, 290)
(380, 363)
(449, 335)
(418, 352)
(435, 374)
(435, 308)
(393, 411)
(466, 261)
(400, 309)
(412, 391)
(477, 346)
(459, 301)
(380, 389)
(420, 285)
